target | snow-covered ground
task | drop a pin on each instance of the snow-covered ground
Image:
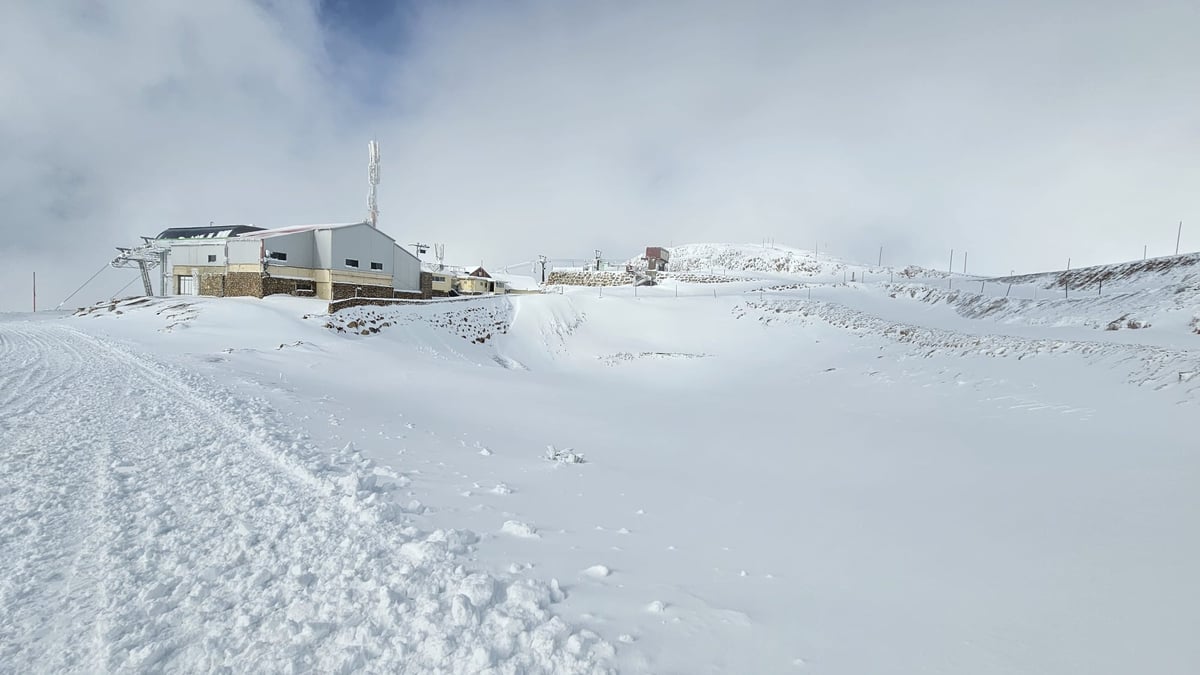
(785, 473)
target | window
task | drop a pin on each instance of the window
(351, 262)
(212, 257)
(376, 266)
(276, 255)
(440, 279)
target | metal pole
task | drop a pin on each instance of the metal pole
(1178, 234)
(950, 282)
(964, 262)
(881, 256)
(1067, 281)
(35, 291)
(1144, 247)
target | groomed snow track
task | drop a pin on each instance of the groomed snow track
(149, 522)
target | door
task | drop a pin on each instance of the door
(187, 285)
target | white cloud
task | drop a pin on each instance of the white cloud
(1021, 133)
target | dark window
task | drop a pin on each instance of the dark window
(439, 279)
(376, 266)
(276, 255)
(212, 257)
(351, 262)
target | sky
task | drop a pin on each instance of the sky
(1023, 133)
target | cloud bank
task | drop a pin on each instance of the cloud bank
(1018, 132)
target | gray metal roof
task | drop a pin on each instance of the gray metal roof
(209, 232)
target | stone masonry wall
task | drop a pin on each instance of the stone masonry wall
(343, 291)
(212, 284)
(584, 278)
(426, 285)
(244, 284)
(273, 286)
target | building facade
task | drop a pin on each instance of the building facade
(331, 262)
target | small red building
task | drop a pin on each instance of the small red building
(657, 258)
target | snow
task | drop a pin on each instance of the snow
(784, 473)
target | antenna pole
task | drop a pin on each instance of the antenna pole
(373, 180)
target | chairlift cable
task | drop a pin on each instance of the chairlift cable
(81, 287)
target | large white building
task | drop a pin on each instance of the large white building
(331, 262)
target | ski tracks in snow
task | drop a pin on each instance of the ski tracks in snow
(149, 522)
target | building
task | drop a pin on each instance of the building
(447, 280)
(331, 262)
(657, 258)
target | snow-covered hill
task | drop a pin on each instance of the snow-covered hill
(784, 473)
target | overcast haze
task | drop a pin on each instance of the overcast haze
(1023, 133)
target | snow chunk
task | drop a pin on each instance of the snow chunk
(597, 571)
(566, 456)
(516, 528)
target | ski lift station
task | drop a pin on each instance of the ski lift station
(331, 262)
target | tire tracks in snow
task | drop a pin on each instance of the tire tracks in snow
(150, 522)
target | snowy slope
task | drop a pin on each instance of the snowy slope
(783, 474)
(150, 522)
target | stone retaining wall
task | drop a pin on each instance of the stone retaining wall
(586, 278)
(400, 299)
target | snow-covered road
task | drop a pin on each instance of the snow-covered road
(150, 522)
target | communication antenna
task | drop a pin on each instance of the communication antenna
(373, 179)
(439, 252)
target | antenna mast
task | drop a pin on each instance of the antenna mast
(373, 179)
